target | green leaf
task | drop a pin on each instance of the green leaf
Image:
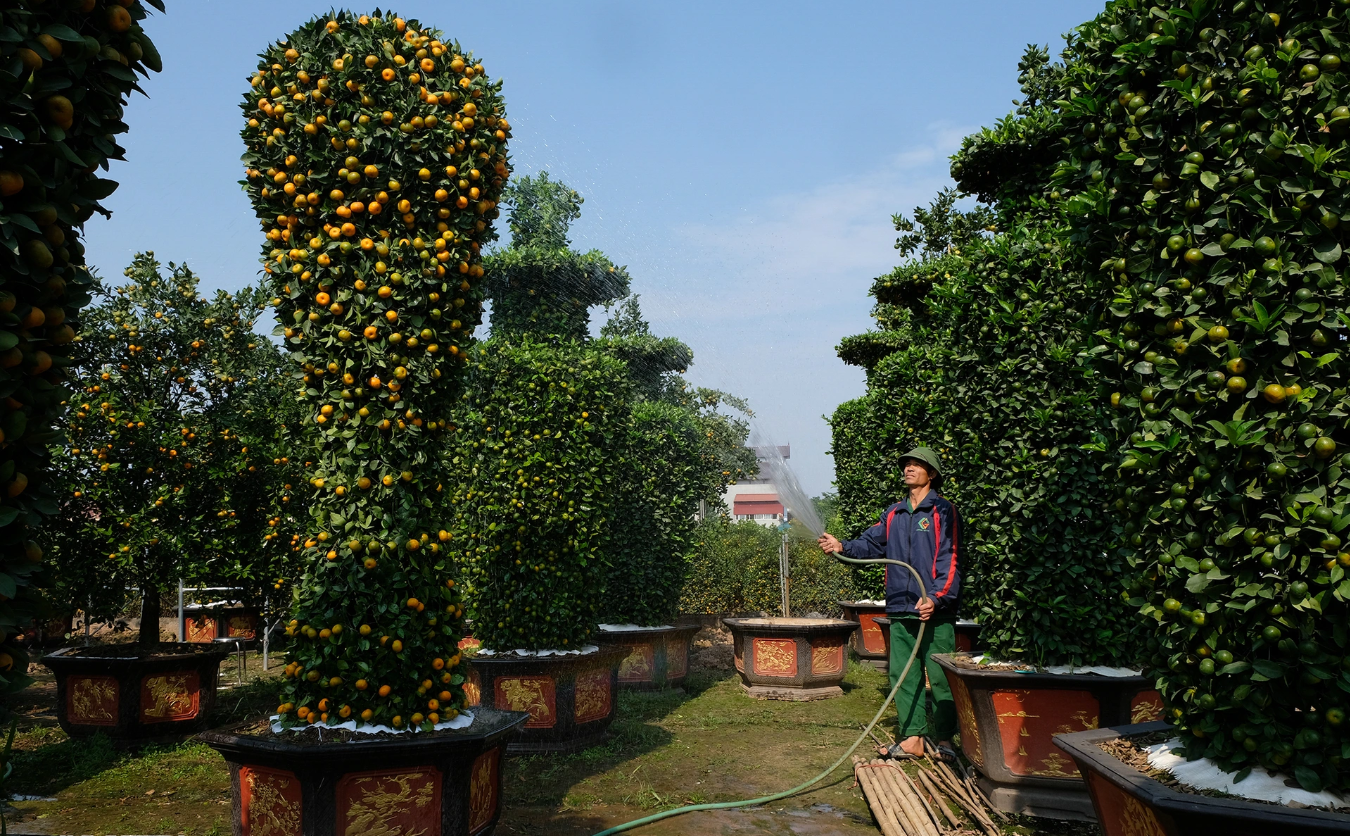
(1197, 583)
(1266, 670)
(1327, 251)
(1308, 779)
(63, 33)
(1209, 179)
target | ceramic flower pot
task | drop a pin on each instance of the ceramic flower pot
(790, 658)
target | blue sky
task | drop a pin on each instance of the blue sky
(743, 160)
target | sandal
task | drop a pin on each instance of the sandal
(946, 753)
(896, 752)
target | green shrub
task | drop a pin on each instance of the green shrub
(68, 71)
(1202, 171)
(536, 449)
(375, 155)
(735, 569)
(172, 467)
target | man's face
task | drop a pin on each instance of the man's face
(916, 474)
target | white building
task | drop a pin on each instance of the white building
(757, 499)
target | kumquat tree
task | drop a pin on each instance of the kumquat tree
(545, 420)
(376, 152)
(1204, 172)
(173, 466)
(66, 71)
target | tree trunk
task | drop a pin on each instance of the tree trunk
(149, 615)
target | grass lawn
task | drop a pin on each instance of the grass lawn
(706, 743)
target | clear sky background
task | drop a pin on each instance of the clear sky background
(742, 159)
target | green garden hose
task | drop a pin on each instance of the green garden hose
(753, 802)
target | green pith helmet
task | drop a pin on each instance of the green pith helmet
(927, 455)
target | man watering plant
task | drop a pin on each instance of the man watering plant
(923, 531)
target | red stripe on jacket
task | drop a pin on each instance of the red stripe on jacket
(886, 567)
(951, 570)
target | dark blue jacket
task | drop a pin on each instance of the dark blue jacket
(925, 538)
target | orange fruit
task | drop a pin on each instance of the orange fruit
(52, 45)
(1275, 393)
(119, 19)
(59, 109)
(11, 183)
(384, 690)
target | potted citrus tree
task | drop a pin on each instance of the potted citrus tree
(69, 72)
(152, 480)
(376, 151)
(988, 372)
(1227, 388)
(546, 415)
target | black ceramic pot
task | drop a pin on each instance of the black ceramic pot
(131, 694)
(1007, 721)
(657, 657)
(790, 658)
(446, 782)
(571, 699)
(1129, 803)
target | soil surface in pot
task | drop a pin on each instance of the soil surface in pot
(136, 651)
(965, 663)
(1132, 751)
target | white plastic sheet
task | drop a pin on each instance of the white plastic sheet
(620, 628)
(463, 721)
(585, 650)
(1260, 785)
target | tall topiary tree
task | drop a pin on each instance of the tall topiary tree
(172, 447)
(65, 73)
(988, 369)
(376, 154)
(544, 422)
(1202, 169)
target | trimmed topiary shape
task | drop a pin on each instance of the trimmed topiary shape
(376, 154)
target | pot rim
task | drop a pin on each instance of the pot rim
(1083, 747)
(1014, 679)
(197, 652)
(497, 723)
(789, 626)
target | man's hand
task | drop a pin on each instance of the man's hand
(925, 609)
(829, 544)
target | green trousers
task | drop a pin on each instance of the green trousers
(939, 636)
